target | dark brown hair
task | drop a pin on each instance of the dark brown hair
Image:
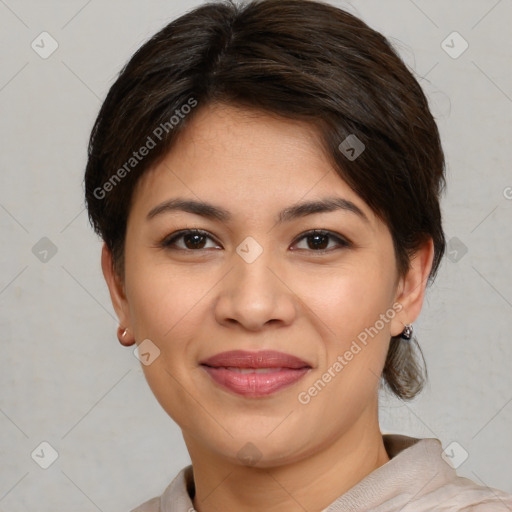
(300, 59)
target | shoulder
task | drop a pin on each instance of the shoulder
(464, 495)
(423, 480)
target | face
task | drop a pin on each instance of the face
(256, 279)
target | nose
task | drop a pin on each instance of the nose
(255, 293)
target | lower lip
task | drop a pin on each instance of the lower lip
(255, 384)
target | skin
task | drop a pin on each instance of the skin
(193, 303)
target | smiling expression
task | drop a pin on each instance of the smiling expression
(263, 271)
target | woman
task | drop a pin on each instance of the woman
(266, 179)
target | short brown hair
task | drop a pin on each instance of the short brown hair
(300, 59)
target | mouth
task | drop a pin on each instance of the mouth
(251, 370)
(255, 374)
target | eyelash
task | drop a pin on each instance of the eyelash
(167, 242)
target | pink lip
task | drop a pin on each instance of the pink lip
(261, 359)
(288, 369)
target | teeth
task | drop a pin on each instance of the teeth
(253, 370)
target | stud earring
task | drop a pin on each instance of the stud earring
(122, 336)
(407, 332)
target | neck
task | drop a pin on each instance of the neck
(312, 483)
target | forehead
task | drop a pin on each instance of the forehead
(229, 135)
(229, 155)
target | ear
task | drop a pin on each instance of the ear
(117, 296)
(411, 288)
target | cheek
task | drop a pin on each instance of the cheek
(349, 305)
(162, 301)
(166, 308)
(346, 300)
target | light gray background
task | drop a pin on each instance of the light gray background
(64, 377)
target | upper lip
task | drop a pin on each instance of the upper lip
(261, 359)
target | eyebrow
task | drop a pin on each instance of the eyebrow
(210, 211)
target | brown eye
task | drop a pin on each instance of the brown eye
(193, 239)
(318, 241)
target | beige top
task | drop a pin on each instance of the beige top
(415, 479)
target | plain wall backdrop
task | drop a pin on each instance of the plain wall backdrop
(64, 377)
